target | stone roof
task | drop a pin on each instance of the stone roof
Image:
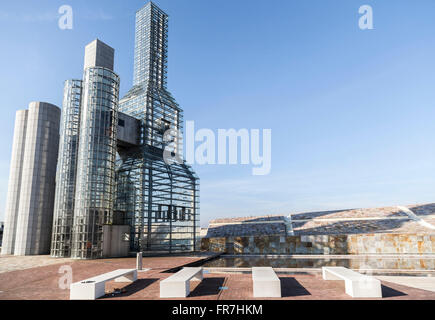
(358, 227)
(348, 221)
(243, 230)
(352, 213)
(248, 219)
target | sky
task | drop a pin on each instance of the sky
(351, 111)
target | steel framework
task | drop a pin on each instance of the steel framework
(159, 200)
(66, 170)
(104, 181)
(95, 181)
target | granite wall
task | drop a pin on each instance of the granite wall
(385, 243)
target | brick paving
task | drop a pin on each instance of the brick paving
(42, 283)
(11, 263)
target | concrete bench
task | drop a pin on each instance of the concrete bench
(357, 285)
(93, 288)
(178, 285)
(266, 283)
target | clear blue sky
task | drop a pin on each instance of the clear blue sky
(352, 112)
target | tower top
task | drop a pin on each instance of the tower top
(151, 46)
(151, 4)
(99, 54)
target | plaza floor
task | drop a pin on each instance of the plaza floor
(29, 281)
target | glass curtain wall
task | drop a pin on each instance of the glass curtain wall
(160, 201)
(66, 171)
(95, 190)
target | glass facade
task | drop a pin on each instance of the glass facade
(104, 181)
(160, 201)
(66, 170)
(151, 46)
(95, 183)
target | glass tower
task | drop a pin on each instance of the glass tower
(66, 171)
(151, 46)
(112, 175)
(95, 182)
(159, 201)
(85, 188)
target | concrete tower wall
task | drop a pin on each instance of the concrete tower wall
(35, 214)
(99, 54)
(128, 130)
(13, 197)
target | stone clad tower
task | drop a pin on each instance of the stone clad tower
(16, 171)
(32, 180)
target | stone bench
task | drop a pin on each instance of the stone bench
(357, 285)
(178, 285)
(266, 283)
(93, 288)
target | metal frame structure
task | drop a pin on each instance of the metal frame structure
(66, 170)
(95, 182)
(159, 200)
(104, 180)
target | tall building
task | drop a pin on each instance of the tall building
(15, 174)
(30, 201)
(115, 193)
(66, 169)
(86, 172)
(159, 201)
(99, 54)
(95, 180)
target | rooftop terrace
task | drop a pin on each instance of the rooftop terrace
(41, 283)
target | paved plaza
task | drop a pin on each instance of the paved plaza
(29, 281)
